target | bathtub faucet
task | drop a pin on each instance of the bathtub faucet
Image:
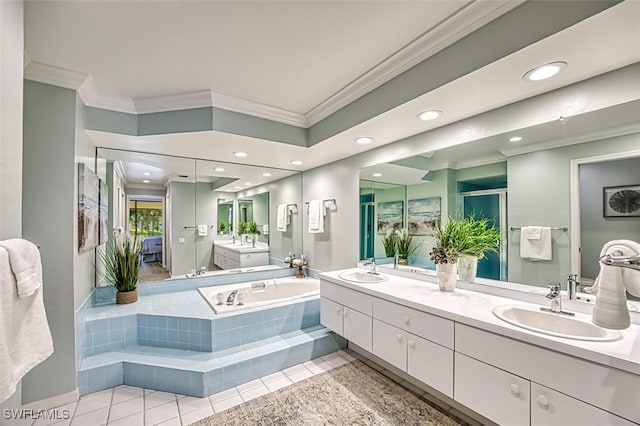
(203, 270)
(232, 297)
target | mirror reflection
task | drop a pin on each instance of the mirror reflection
(199, 217)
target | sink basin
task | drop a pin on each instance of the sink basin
(585, 297)
(363, 277)
(554, 324)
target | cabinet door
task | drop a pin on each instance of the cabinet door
(357, 328)
(499, 396)
(390, 344)
(551, 408)
(430, 363)
(331, 315)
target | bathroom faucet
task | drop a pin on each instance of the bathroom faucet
(396, 261)
(232, 297)
(372, 263)
(202, 271)
(573, 286)
(556, 300)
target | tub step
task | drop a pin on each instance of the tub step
(199, 373)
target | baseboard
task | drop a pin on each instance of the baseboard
(54, 401)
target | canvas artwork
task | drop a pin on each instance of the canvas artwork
(103, 213)
(88, 208)
(621, 201)
(424, 215)
(390, 216)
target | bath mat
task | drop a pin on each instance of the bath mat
(352, 394)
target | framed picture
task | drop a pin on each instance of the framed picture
(88, 207)
(424, 215)
(621, 201)
(390, 216)
(103, 212)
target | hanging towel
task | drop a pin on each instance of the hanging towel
(316, 216)
(282, 217)
(24, 331)
(24, 258)
(535, 243)
(203, 230)
(265, 229)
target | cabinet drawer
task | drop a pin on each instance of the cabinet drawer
(254, 259)
(354, 299)
(331, 315)
(430, 363)
(551, 408)
(233, 255)
(357, 328)
(390, 344)
(430, 327)
(499, 396)
(561, 372)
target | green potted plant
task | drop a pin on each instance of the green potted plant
(222, 226)
(390, 243)
(242, 229)
(252, 229)
(406, 246)
(483, 237)
(450, 238)
(121, 260)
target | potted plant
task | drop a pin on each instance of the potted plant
(390, 243)
(252, 229)
(222, 226)
(242, 229)
(449, 240)
(483, 237)
(406, 246)
(121, 260)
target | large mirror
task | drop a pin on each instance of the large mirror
(200, 217)
(553, 176)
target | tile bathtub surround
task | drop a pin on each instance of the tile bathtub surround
(106, 335)
(192, 334)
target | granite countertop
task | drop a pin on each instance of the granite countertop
(475, 309)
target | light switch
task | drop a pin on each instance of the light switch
(181, 240)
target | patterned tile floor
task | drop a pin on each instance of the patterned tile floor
(132, 406)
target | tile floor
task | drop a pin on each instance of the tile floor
(132, 406)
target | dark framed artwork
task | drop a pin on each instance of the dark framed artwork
(621, 201)
(424, 215)
(88, 193)
(103, 212)
(390, 216)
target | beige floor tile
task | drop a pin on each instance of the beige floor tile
(190, 403)
(161, 413)
(225, 404)
(196, 415)
(254, 392)
(126, 408)
(157, 398)
(93, 418)
(134, 420)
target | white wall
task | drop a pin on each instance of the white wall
(11, 74)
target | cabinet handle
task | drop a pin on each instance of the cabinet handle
(515, 389)
(399, 337)
(412, 344)
(543, 401)
(406, 320)
(337, 310)
(346, 313)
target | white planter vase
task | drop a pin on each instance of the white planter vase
(467, 268)
(447, 276)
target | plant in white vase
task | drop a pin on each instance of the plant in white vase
(446, 252)
(483, 237)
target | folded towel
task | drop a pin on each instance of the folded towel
(316, 216)
(24, 331)
(282, 217)
(535, 249)
(532, 232)
(265, 229)
(24, 257)
(203, 230)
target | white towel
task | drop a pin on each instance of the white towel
(316, 216)
(203, 230)
(265, 229)
(282, 217)
(24, 331)
(24, 258)
(535, 248)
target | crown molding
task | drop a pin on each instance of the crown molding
(180, 101)
(256, 109)
(56, 76)
(90, 96)
(573, 140)
(481, 161)
(466, 20)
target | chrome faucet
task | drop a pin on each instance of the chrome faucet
(573, 286)
(556, 300)
(232, 297)
(396, 261)
(372, 263)
(202, 271)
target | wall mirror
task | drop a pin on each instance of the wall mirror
(555, 176)
(189, 212)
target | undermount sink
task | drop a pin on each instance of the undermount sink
(554, 324)
(363, 277)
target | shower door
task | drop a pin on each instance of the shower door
(491, 204)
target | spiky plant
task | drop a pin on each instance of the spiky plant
(121, 260)
(464, 236)
(242, 228)
(406, 246)
(390, 243)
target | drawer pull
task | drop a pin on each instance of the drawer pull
(399, 337)
(515, 389)
(406, 320)
(543, 401)
(412, 344)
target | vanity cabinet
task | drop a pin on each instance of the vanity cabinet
(237, 257)
(347, 313)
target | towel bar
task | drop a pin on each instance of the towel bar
(554, 228)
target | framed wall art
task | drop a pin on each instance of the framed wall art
(621, 201)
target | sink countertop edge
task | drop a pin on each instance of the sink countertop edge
(621, 354)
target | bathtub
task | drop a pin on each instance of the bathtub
(252, 294)
(228, 271)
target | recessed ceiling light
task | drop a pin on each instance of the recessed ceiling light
(544, 71)
(364, 140)
(377, 174)
(219, 169)
(237, 187)
(240, 154)
(515, 139)
(429, 115)
(266, 174)
(146, 174)
(296, 162)
(146, 181)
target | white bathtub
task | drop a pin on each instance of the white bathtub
(252, 294)
(228, 271)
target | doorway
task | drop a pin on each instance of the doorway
(146, 220)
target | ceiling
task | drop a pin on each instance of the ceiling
(306, 59)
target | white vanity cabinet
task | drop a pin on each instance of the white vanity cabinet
(347, 313)
(239, 257)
